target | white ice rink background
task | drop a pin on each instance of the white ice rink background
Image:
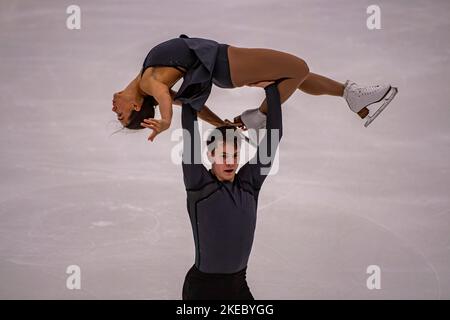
(345, 197)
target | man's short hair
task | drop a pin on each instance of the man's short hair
(227, 134)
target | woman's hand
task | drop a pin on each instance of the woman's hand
(157, 125)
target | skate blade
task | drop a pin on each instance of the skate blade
(386, 102)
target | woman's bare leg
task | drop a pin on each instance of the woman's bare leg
(252, 65)
(313, 84)
(316, 84)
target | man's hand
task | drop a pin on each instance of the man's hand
(237, 122)
(157, 125)
(227, 122)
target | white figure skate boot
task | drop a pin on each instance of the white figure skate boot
(361, 100)
(253, 120)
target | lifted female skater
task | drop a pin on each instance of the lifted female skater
(202, 62)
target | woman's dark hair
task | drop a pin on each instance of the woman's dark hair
(147, 111)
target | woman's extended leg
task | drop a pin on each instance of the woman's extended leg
(252, 65)
(317, 85)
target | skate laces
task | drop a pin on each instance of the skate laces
(364, 91)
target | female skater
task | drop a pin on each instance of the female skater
(202, 62)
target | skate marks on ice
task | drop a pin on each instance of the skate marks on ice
(110, 229)
(309, 249)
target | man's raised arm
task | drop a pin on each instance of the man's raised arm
(194, 172)
(256, 170)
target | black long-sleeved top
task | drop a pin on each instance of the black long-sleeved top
(223, 214)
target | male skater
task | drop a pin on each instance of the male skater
(222, 204)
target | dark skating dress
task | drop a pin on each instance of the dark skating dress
(204, 62)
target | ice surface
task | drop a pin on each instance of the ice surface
(345, 196)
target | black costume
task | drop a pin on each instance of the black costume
(204, 62)
(223, 214)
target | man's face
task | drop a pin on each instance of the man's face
(225, 161)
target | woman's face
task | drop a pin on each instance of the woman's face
(122, 106)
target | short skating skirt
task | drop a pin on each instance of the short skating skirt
(210, 66)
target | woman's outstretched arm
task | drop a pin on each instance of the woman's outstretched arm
(205, 113)
(161, 93)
